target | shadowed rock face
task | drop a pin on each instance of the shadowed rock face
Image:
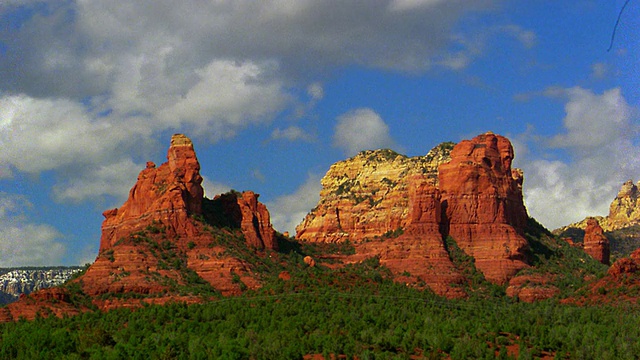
(483, 206)
(596, 243)
(470, 193)
(166, 195)
(243, 210)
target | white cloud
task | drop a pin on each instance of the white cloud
(361, 129)
(315, 91)
(228, 96)
(22, 242)
(593, 121)
(599, 70)
(288, 211)
(527, 38)
(291, 133)
(211, 188)
(598, 140)
(112, 179)
(51, 134)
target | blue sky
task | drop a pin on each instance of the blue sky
(273, 92)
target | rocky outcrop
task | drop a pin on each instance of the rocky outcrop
(244, 211)
(532, 288)
(468, 192)
(483, 205)
(367, 195)
(626, 266)
(624, 212)
(166, 195)
(621, 226)
(595, 242)
(625, 209)
(164, 239)
(418, 254)
(46, 302)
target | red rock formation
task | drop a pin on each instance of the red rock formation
(245, 211)
(165, 195)
(150, 245)
(531, 288)
(420, 251)
(309, 261)
(595, 243)
(45, 302)
(476, 198)
(483, 206)
(626, 266)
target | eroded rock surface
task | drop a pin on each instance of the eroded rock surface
(163, 196)
(483, 205)
(596, 243)
(402, 208)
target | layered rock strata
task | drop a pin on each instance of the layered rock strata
(368, 195)
(483, 205)
(469, 192)
(166, 195)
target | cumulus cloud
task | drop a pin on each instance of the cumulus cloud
(291, 133)
(50, 134)
(99, 75)
(288, 211)
(108, 180)
(598, 139)
(361, 129)
(23, 242)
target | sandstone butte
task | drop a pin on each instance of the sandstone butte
(624, 211)
(155, 238)
(402, 209)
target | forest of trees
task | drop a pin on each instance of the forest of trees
(356, 310)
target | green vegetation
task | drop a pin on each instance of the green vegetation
(567, 267)
(356, 311)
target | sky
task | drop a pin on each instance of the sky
(273, 92)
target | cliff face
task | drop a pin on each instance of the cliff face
(244, 211)
(166, 195)
(470, 193)
(483, 205)
(368, 195)
(624, 209)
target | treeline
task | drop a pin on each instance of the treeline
(392, 321)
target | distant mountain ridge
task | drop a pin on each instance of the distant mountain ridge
(25, 280)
